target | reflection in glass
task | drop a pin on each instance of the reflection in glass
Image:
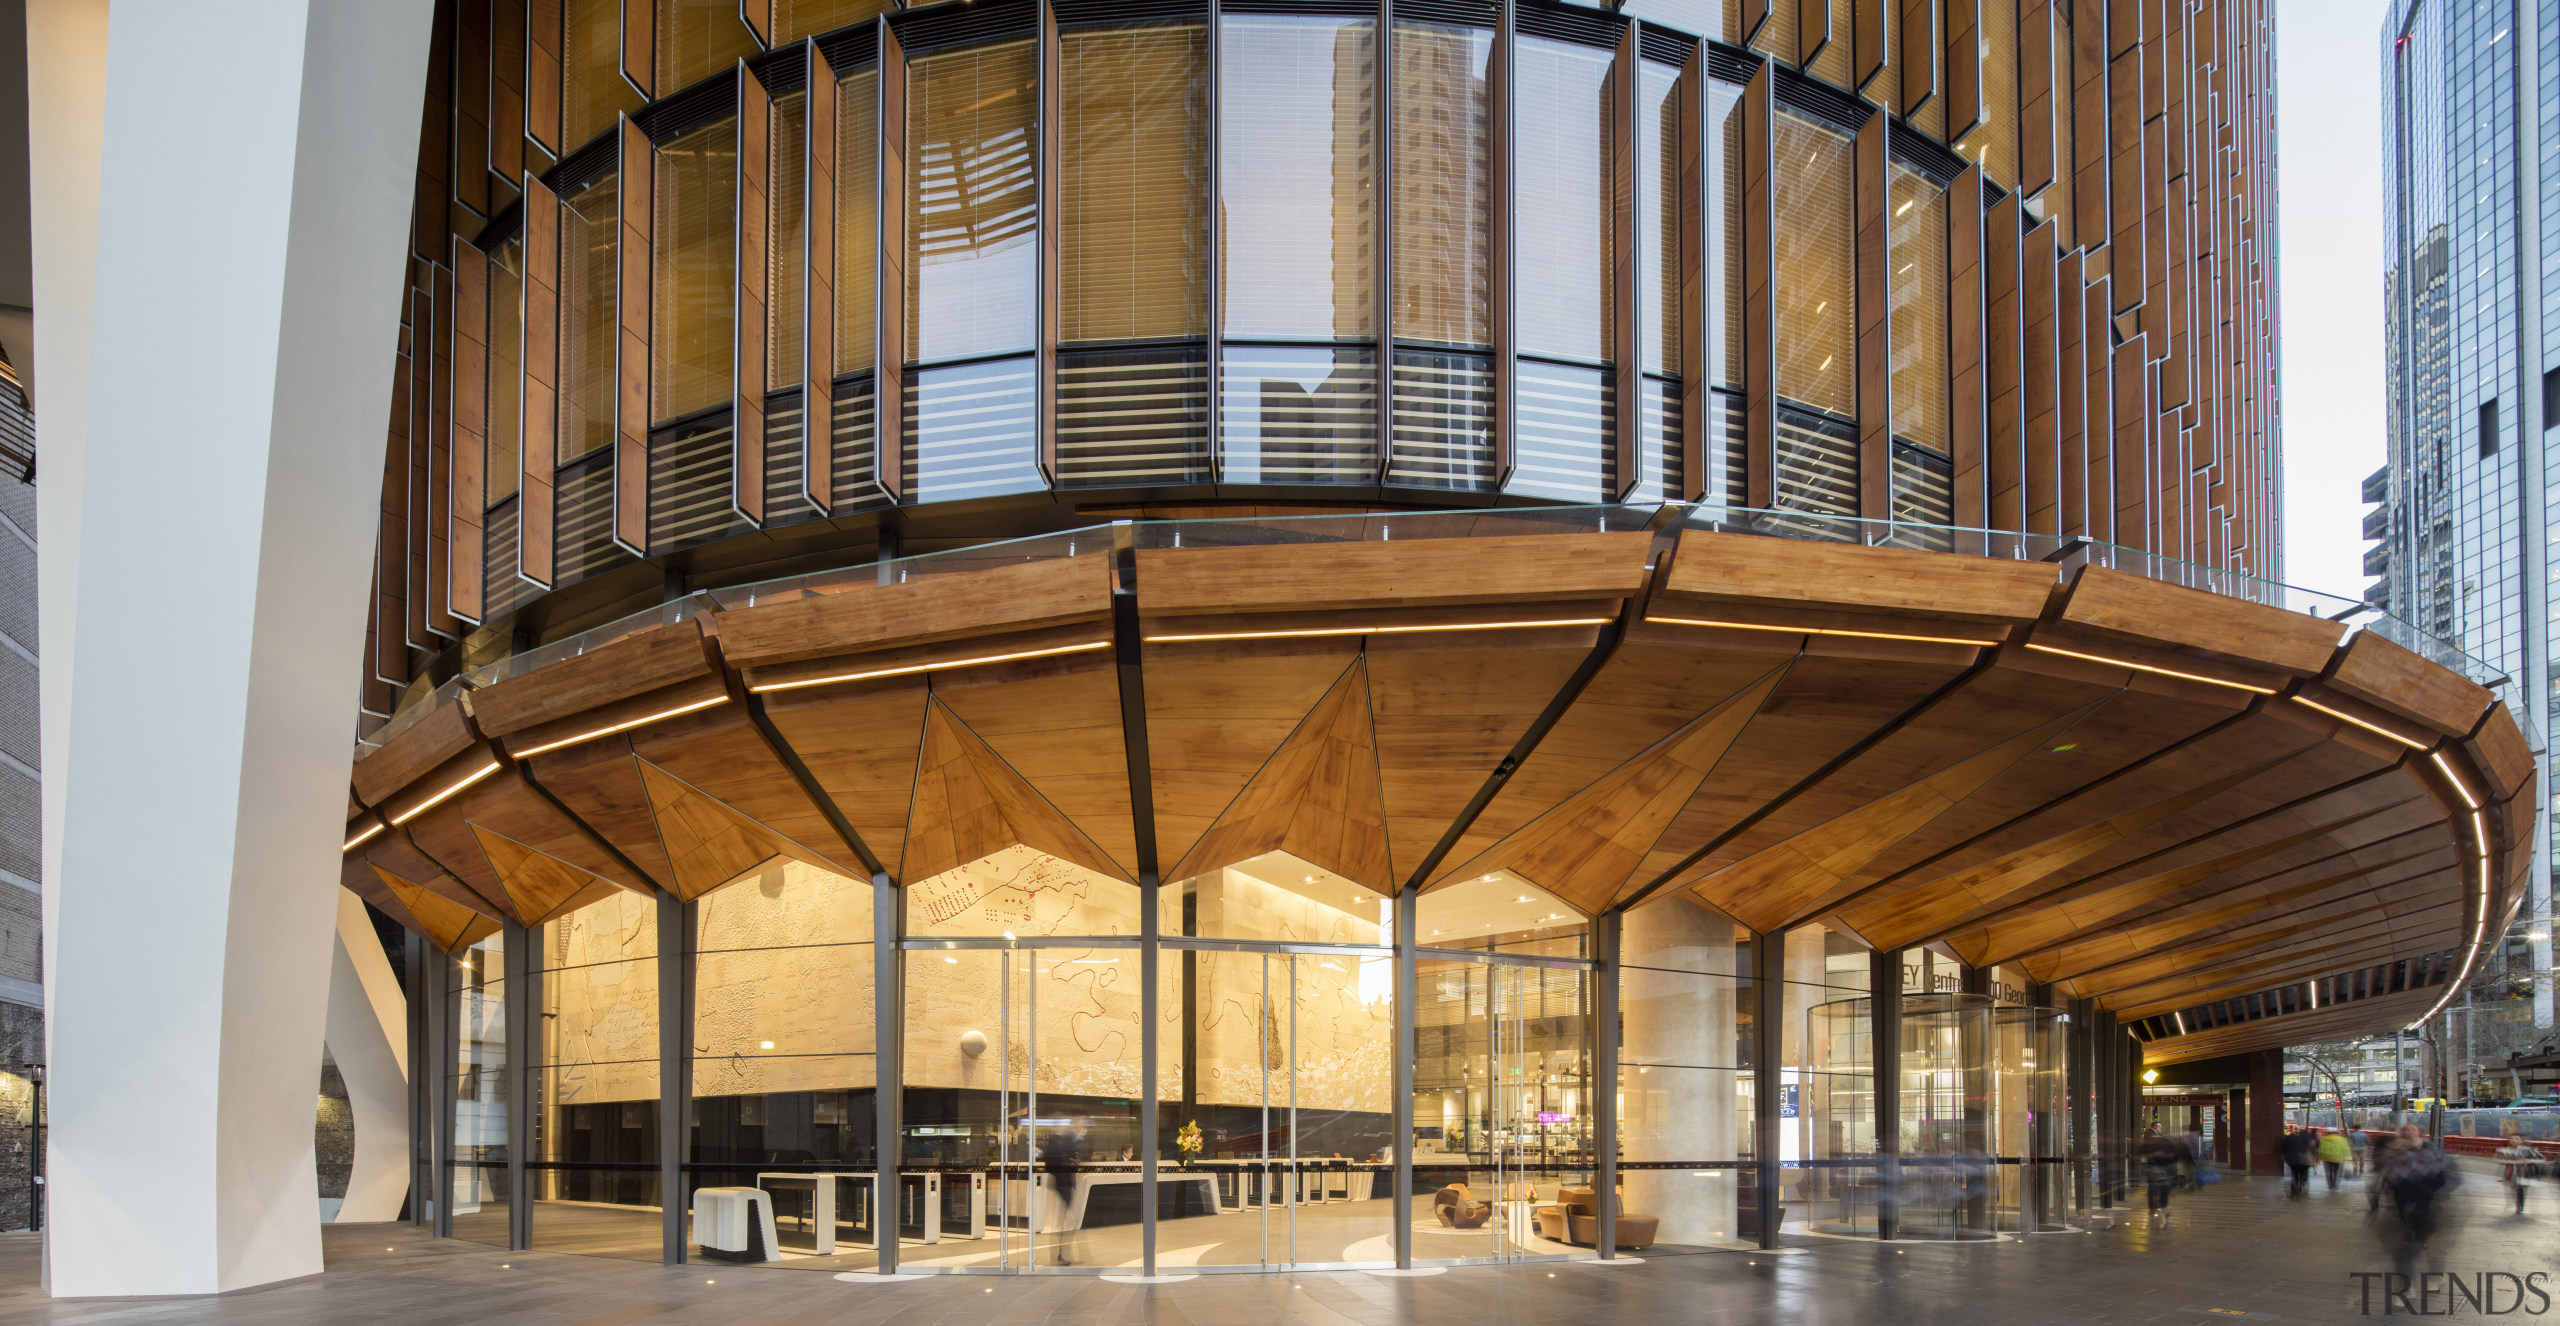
(1567, 416)
(1917, 294)
(698, 38)
(787, 212)
(1443, 184)
(1298, 215)
(1443, 421)
(1658, 203)
(1298, 414)
(971, 207)
(969, 431)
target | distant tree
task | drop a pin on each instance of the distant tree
(2330, 1059)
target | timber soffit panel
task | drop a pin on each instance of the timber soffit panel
(1884, 738)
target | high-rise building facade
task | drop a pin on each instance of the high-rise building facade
(2461, 512)
(1279, 634)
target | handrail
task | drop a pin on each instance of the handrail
(2065, 552)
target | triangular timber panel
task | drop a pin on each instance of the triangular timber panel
(1317, 798)
(1785, 881)
(710, 842)
(1586, 847)
(1056, 721)
(970, 804)
(599, 781)
(859, 741)
(1448, 708)
(447, 924)
(1215, 712)
(1924, 911)
(542, 886)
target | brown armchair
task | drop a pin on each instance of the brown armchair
(1455, 1211)
(1581, 1213)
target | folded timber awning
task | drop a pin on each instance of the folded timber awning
(2145, 795)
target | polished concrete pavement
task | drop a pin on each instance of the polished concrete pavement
(2239, 1251)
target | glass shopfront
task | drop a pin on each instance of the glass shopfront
(1025, 1032)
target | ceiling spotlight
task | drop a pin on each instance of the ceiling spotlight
(1522, 898)
(1311, 879)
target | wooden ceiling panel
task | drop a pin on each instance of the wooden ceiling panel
(1823, 708)
(1587, 848)
(1317, 798)
(859, 741)
(542, 886)
(1056, 721)
(1216, 710)
(599, 781)
(1448, 709)
(1641, 695)
(969, 804)
(710, 842)
(721, 751)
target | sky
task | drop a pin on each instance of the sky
(2329, 222)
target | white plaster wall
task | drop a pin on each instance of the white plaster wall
(369, 1037)
(243, 322)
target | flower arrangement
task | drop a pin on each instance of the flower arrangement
(1187, 1141)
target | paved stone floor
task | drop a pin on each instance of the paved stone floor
(2239, 1251)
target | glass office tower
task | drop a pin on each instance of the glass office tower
(2461, 511)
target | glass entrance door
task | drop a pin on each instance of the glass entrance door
(1502, 1163)
(1284, 1094)
(1020, 1129)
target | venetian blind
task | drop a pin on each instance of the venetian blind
(699, 38)
(857, 219)
(807, 18)
(1658, 203)
(1994, 142)
(593, 89)
(1298, 212)
(787, 184)
(1816, 269)
(1132, 145)
(1724, 114)
(1917, 295)
(694, 270)
(970, 204)
(1443, 184)
(589, 241)
(1562, 201)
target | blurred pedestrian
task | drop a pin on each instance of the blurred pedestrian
(2357, 1146)
(2514, 1155)
(2420, 1172)
(2161, 1157)
(2333, 1151)
(2296, 1147)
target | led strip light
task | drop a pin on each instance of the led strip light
(2145, 667)
(623, 727)
(2377, 728)
(1372, 630)
(1826, 630)
(431, 802)
(832, 679)
(360, 839)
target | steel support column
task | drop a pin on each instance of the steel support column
(1408, 912)
(1768, 988)
(1604, 1078)
(675, 1040)
(888, 1027)
(1884, 1036)
(522, 996)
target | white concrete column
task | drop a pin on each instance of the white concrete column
(369, 1037)
(255, 174)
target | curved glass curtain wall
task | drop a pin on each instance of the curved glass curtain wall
(1023, 1044)
(1291, 211)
